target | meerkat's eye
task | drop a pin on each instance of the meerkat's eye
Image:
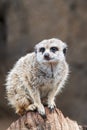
(42, 49)
(54, 49)
(64, 50)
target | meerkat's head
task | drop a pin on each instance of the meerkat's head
(50, 51)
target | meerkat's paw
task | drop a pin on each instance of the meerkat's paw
(31, 107)
(41, 110)
(51, 105)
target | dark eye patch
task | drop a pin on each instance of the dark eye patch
(42, 49)
(54, 49)
(64, 50)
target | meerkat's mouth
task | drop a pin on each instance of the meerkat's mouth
(49, 59)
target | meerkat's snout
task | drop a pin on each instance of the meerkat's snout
(46, 56)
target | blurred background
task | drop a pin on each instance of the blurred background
(23, 23)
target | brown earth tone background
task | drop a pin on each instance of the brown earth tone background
(23, 23)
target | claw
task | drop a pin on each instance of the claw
(52, 109)
(44, 116)
(41, 110)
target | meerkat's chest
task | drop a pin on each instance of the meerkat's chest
(46, 82)
(48, 77)
(46, 85)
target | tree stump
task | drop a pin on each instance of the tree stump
(55, 121)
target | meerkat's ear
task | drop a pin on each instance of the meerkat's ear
(65, 49)
(35, 49)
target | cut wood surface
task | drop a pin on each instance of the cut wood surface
(54, 121)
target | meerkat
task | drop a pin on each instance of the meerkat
(38, 77)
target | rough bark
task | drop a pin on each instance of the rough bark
(55, 121)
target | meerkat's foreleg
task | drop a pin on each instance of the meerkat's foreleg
(35, 95)
(51, 98)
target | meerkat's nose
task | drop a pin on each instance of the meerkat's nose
(46, 56)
